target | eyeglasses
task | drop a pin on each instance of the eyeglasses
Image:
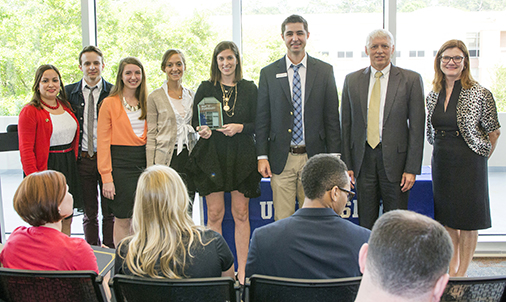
(456, 59)
(348, 192)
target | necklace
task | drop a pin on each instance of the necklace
(51, 107)
(226, 98)
(129, 107)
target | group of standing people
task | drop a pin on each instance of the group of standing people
(107, 135)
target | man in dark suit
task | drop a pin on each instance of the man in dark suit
(297, 116)
(315, 242)
(85, 97)
(383, 122)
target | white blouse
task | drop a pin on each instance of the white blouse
(137, 124)
(183, 120)
(64, 129)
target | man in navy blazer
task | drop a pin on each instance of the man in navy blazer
(91, 63)
(315, 242)
(281, 156)
(386, 169)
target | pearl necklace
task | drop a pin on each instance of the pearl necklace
(129, 107)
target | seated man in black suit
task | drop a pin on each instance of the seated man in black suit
(407, 259)
(315, 242)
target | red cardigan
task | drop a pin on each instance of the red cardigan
(34, 130)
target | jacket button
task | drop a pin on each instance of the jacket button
(289, 130)
(82, 104)
(291, 113)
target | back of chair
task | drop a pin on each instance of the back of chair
(132, 289)
(9, 140)
(266, 288)
(54, 286)
(483, 289)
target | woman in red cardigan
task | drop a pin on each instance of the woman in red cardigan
(49, 132)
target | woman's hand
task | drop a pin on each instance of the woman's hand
(231, 129)
(109, 190)
(204, 131)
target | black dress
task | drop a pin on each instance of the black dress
(224, 163)
(459, 175)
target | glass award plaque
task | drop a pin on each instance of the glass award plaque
(210, 113)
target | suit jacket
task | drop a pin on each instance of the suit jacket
(75, 97)
(313, 243)
(403, 122)
(274, 120)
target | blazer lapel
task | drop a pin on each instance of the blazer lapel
(364, 91)
(283, 81)
(310, 77)
(393, 84)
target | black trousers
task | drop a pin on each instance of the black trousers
(373, 187)
(90, 181)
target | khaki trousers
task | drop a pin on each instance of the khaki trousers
(287, 185)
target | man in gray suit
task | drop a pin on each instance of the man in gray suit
(297, 116)
(383, 120)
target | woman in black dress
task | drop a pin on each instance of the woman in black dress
(224, 160)
(463, 126)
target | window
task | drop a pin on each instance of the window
(329, 25)
(146, 29)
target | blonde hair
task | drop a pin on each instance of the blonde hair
(163, 229)
(466, 79)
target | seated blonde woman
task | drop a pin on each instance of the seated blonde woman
(166, 243)
(43, 200)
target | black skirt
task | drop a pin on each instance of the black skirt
(63, 159)
(460, 184)
(225, 164)
(128, 162)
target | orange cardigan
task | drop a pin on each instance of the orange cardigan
(114, 128)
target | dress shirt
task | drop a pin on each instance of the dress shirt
(184, 122)
(384, 83)
(96, 95)
(302, 74)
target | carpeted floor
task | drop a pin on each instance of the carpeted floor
(487, 266)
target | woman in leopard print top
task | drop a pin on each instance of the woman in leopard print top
(463, 126)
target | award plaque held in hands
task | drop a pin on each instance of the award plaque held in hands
(210, 113)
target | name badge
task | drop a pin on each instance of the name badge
(281, 75)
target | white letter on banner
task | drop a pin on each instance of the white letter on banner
(355, 208)
(347, 210)
(263, 206)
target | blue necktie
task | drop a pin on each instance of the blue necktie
(297, 107)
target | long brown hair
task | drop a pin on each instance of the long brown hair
(215, 71)
(62, 97)
(466, 79)
(141, 93)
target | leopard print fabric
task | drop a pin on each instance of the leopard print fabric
(476, 117)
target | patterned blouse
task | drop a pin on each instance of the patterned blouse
(476, 117)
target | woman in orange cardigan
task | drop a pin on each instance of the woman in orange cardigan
(121, 142)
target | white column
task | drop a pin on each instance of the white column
(390, 19)
(237, 23)
(89, 22)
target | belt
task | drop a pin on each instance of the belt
(84, 154)
(443, 133)
(298, 150)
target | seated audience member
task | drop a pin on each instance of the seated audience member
(407, 259)
(43, 201)
(165, 241)
(315, 242)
